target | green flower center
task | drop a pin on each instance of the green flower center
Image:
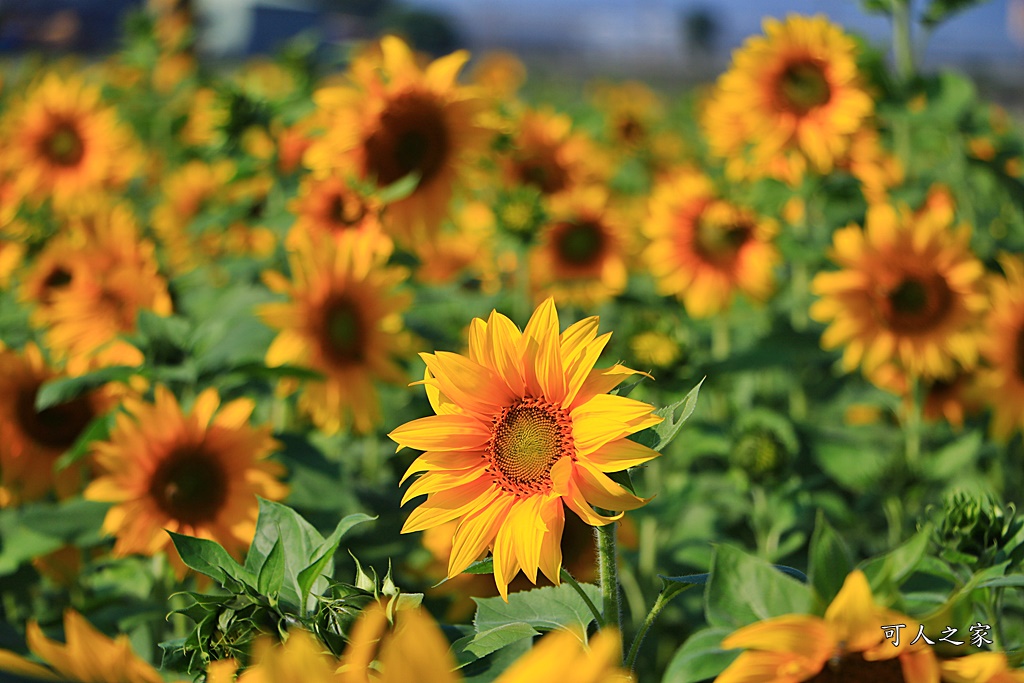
(190, 485)
(804, 87)
(527, 439)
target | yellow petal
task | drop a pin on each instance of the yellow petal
(441, 433)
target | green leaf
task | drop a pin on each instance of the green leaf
(65, 389)
(701, 657)
(830, 560)
(77, 521)
(209, 558)
(173, 329)
(1012, 581)
(252, 370)
(400, 189)
(97, 430)
(19, 544)
(743, 589)
(544, 609)
(308, 576)
(894, 567)
(939, 11)
(956, 457)
(272, 572)
(661, 435)
(299, 541)
(490, 640)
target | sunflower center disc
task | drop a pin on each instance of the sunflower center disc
(56, 427)
(527, 439)
(720, 243)
(803, 87)
(343, 332)
(64, 146)
(412, 138)
(190, 486)
(917, 304)
(853, 668)
(542, 170)
(579, 244)
(345, 211)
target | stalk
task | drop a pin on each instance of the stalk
(607, 559)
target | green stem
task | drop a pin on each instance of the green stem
(902, 41)
(664, 597)
(607, 559)
(995, 610)
(912, 427)
(720, 337)
(569, 579)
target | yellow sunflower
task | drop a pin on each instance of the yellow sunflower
(31, 440)
(581, 255)
(1003, 349)
(117, 276)
(910, 291)
(88, 656)
(983, 667)
(704, 249)
(331, 206)
(631, 111)
(547, 154)
(399, 120)
(62, 141)
(793, 98)
(196, 474)
(848, 644)
(344, 320)
(524, 427)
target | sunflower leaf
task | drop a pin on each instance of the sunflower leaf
(896, 566)
(830, 560)
(743, 589)
(311, 572)
(544, 609)
(272, 572)
(400, 189)
(661, 435)
(65, 389)
(700, 657)
(97, 430)
(939, 11)
(210, 558)
(486, 642)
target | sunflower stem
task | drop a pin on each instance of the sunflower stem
(571, 580)
(912, 426)
(664, 597)
(902, 40)
(720, 337)
(607, 559)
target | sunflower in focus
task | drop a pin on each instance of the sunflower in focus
(88, 656)
(983, 667)
(524, 428)
(396, 120)
(195, 473)
(1003, 349)
(704, 249)
(32, 440)
(581, 255)
(792, 99)
(63, 142)
(344, 320)
(848, 644)
(909, 291)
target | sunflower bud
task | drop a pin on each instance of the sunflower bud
(764, 445)
(978, 531)
(520, 212)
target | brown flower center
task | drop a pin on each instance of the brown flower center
(345, 210)
(720, 243)
(344, 331)
(64, 145)
(56, 427)
(917, 304)
(542, 169)
(631, 131)
(853, 668)
(527, 439)
(579, 243)
(802, 87)
(412, 137)
(190, 485)
(1019, 352)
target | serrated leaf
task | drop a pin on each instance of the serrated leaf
(830, 560)
(701, 657)
(492, 639)
(309, 574)
(670, 425)
(65, 389)
(743, 589)
(272, 572)
(209, 558)
(542, 608)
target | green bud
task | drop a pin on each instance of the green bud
(977, 530)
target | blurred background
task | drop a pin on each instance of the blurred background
(688, 40)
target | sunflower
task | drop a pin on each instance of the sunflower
(581, 255)
(983, 667)
(793, 98)
(344, 320)
(910, 291)
(399, 120)
(631, 111)
(88, 656)
(117, 277)
(523, 428)
(848, 644)
(31, 440)
(196, 474)
(11, 255)
(1003, 349)
(62, 141)
(949, 398)
(332, 206)
(704, 249)
(547, 154)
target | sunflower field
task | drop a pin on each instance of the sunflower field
(414, 369)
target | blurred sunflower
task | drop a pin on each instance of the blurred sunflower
(11, 256)
(949, 398)
(1003, 349)
(62, 141)
(32, 440)
(333, 207)
(524, 427)
(983, 667)
(400, 120)
(581, 256)
(88, 307)
(910, 291)
(631, 111)
(464, 248)
(792, 98)
(547, 154)
(704, 249)
(196, 474)
(344, 320)
(88, 656)
(848, 644)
